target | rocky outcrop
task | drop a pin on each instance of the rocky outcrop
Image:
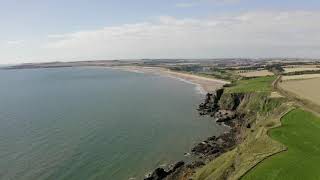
(210, 104)
(161, 173)
(157, 174)
(215, 146)
(231, 101)
(224, 108)
(224, 115)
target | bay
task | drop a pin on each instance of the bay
(95, 123)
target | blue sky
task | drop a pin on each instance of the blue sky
(27, 28)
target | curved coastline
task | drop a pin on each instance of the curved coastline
(203, 151)
(199, 153)
(172, 92)
(204, 85)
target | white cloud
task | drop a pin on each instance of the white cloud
(186, 4)
(15, 43)
(193, 3)
(218, 1)
(251, 34)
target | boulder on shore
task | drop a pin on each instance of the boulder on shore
(160, 173)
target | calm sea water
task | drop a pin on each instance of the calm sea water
(94, 123)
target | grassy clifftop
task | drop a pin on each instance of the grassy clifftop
(249, 97)
(300, 133)
(259, 84)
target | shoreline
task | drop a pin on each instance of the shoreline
(203, 84)
(201, 152)
(210, 148)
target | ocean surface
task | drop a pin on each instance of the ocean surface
(95, 123)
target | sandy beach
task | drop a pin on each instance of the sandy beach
(206, 84)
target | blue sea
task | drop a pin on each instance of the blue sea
(95, 123)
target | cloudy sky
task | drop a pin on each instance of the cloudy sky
(60, 30)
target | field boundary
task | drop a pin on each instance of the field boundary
(301, 102)
(268, 131)
(262, 161)
(275, 87)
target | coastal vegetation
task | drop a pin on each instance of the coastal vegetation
(267, 106)
(247, 108)
(255, 73)
(249, 97)
(300, 132)
(302, 72)
(272, 149)
(211, 72)
(221, 74)
(300, 69)
(256, 147)
(259, 84)
(276, 68)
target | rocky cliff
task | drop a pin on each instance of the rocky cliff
(238, 111)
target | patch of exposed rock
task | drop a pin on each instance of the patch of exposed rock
(211, 103)
(161, 173)
(205, 151)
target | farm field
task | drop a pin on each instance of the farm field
(300, 132)
(259, 84)
(306, 89)
(304, 76)
(256, 73)
(298, 69)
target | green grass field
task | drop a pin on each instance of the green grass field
(300, 132)
(260, 84)
(264, 113)
(256, 147)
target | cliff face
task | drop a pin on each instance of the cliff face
(255, 113)
(249, 105)
(237, 110)
(223, 108)
(231, 101)
(211, 102)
